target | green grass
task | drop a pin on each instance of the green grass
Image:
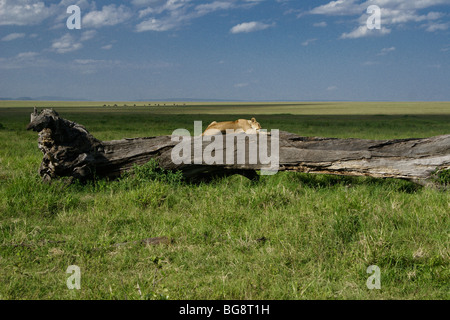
(288, 236)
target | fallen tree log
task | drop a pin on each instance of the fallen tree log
(71, 151)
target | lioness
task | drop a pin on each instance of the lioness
(240, 125)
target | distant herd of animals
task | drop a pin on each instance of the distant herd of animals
(148, 105)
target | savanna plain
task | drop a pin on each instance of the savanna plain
(286, 236)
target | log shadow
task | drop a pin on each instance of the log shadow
(321, 181)
(213, 176)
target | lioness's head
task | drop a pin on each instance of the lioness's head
(254, 124)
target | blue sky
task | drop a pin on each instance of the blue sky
(232, 50)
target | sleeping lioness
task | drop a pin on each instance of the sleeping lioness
(240, 125)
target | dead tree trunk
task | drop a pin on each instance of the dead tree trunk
(70, 150)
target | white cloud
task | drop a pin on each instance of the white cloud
(83, 4)
(332, 88)
(172, 14)
(432, 27)
(66, 44)
(145, 12)
(173, 5)
(27, 55)
(370, 63)
(363, 31)
(394, 13)
(308, 42)
(13, 36)
(87, 61)
(250, 27)
(322, 24)
(400, 16)
(157, 7)
(23, 60)
(107, 47)
(110, 15)
(206, 8)
(24, 12)
(156, 25)
(91, 66)
(248, 4)
(69, 42)
(410, 4)
(354, 7)
(385, 51)
(166, 15)
(446, 48)
(88, 35)
(339, 7)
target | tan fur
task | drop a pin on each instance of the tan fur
(240, 125)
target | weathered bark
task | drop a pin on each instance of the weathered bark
(70, 150)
